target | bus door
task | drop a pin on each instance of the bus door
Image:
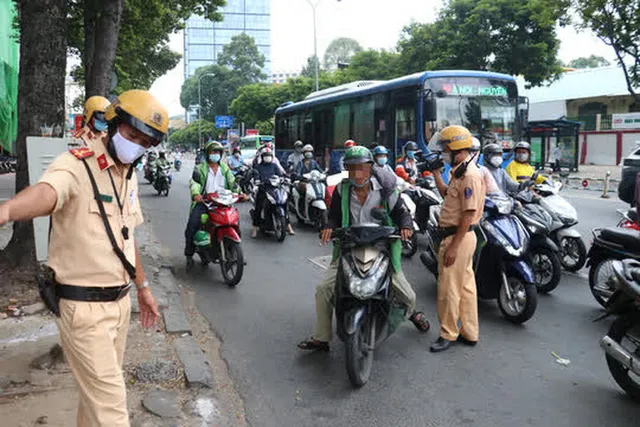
(405, 123)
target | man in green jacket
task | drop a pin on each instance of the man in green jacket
(210, 177)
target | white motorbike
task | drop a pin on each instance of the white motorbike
(423, 202)
(311, 207)
(573, 252)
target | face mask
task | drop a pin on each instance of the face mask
(100, 125)
(267, 159)
(522, 157)
(308, 155)
(411, 154)
(237, 155)
(365, 182)
(495, 161)
(126, 151)
(382, 161)
(447, 158)
(214, 158)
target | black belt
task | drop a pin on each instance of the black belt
(444, 232)
(92, 294)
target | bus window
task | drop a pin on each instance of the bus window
(363, 121)
(405, 125)
(341, 124)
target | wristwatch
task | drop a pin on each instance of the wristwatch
(145, 284)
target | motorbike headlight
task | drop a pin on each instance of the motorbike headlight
(364, 287)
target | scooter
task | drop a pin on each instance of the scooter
(573, 252)
(622, 343)
(274, 214)
(310, 209)
(162, 181)
(177, 164)
(149, 172)
(629, 219)
(543, 253)
(423, 201)
(499, 263)
(609, 245)
(219, 239)
(365, 312)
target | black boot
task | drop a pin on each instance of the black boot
(190, 262)
(440, 344)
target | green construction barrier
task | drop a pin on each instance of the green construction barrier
(8, 76)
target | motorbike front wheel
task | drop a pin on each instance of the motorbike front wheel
(410, 247)
(280, 227)
(359, 352)
(547, 269)
(233, 267)
(523, 302)
(573, 253)
(599, 274)
(625, 330)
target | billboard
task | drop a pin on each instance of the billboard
(625, 121)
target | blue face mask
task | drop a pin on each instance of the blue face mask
(100, 125)
(214, 158)
(382, 161)
(365, 182)
(411, 154)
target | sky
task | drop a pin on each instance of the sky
(374, 24)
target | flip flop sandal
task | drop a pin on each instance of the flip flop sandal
(420, 321)
(313, 345)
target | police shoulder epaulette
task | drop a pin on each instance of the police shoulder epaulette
(82, 152)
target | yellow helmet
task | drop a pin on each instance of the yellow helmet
(456, 138)
(141, 110)
(95, 104)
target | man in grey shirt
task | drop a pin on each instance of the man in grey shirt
(493, 162)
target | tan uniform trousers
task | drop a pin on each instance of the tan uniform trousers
(93, 336)
(325, 298)
(457, 298)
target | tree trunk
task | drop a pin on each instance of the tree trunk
(41, 87)
(90, 12)
(105, 41)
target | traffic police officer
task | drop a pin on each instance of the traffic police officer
(462, 208)
(91, 280)
(95, 123)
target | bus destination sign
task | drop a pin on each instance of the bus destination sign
(473, 90)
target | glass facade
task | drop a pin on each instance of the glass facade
(204, 40)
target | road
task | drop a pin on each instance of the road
(509, 379)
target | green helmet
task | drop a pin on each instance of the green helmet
(213, 146)
(358, 155)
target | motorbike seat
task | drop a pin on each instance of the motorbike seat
(628, 238)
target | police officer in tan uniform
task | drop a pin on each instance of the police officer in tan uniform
(461, 210)
(92, 281)
(95, 123)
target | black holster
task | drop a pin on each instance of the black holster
(46, 279)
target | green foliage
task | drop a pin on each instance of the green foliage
(244, 58)
(266, 127)
(188, 136)
(309, 70)
(340, 50)
(373, 65)
(257, 102)
(218, 90)
(617, 24)
(592, 61)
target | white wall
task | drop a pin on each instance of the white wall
(601, 149)
(550, 110)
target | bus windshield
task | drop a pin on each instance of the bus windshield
(486, 107)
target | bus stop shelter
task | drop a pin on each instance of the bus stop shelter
(545, 135)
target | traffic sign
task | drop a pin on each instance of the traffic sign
(224, 122)
(585, 183)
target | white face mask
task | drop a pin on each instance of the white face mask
(127, 151)
(495, 161)
(267, 159)
(308, 155)
(522, 157)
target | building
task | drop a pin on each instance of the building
(595, 97)
(204, 39)
(279, 77)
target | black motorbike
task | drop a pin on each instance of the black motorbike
(162, 181)
(609, 244)
(425, 211)
(177, 164)
(622, 342)
(274, 212)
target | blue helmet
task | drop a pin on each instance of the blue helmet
(379, 150)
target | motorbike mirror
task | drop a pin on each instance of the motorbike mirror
(378, 214)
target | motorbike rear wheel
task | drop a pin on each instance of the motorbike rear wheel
(599, 275)
(359, 352)
(410, 247)
(573, 253)
(233, 267)
(547, 269)
(280, 227)
(620, 329)
(523, 302)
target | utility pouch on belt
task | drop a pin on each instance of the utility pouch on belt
(444, 232)
(46, 279)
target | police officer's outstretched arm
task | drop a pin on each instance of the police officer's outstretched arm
(32, 202)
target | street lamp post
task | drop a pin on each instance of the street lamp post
(200, 107)
(315, 42)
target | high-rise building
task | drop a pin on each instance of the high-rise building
(204, 39)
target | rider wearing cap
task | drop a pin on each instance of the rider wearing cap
(407, 167)
(362, 192)
(208, 177)
(520, 168)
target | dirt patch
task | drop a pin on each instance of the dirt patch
(17, 284)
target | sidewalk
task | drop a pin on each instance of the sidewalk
(174, 373)
(594, 177)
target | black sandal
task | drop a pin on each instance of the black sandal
(420, 321)
(312, 345)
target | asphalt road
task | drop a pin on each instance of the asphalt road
(509, 379)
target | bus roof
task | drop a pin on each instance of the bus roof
(416, 79)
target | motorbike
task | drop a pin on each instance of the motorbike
(274, 213)
(501, 269)
(573, 252)
(365, 312)
(609, 245)
(423, 201)
(629, 219)
(543, 253)
(622, 342)
(162, 181)
(218, 240)
(245, 181)
(177, 164)
(310, 209)
(149, 172)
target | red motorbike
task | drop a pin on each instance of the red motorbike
(218, 240)
(629, 219)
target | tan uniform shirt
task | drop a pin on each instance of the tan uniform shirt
(464, 194)
(79, 249)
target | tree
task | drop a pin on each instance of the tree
(189, 135)
(340, 50)
(41, 88)
(244, 58)
(257, 102)
(495, 35)
(373, 65)
(217, 90)
(265, 127)
(592, 61)
(309, 70)
(617, 24)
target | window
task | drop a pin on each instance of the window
(266, 51)
(258, 6)
(224, 36)
(405, 125)
(341, 124)
(200, 35)
(231, 21)
(235, 6)
(286, 130)
(200, 51)
(199, 22)
(592, 108)
(194, 65)
(258, 22)
(363, 123)
(262, 37)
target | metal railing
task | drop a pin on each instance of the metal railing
(590, 123)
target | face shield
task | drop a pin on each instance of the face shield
(435, 144)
